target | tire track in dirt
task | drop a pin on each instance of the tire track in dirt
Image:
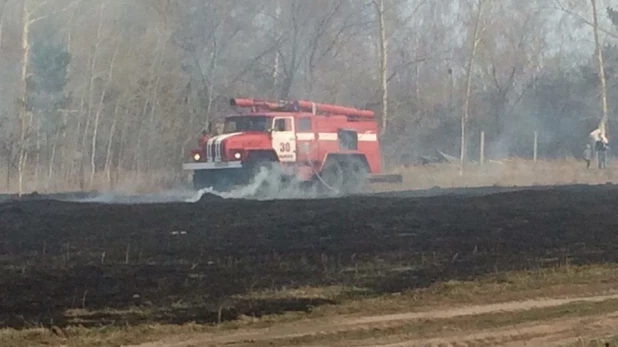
(558, 332)
(337, 325)
(479, 309)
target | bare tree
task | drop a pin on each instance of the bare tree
(134, 100)
(383, 44)
(91, 86)
(603, 126)
(30, 10)
(466, 109)
(572, 8)
(93, 148)
(2, 7)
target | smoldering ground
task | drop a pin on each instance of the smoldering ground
(266, 185)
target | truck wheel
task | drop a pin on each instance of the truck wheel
(332, 176)
(356, 174)
(264, 186)
(200, 180)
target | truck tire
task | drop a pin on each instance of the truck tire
(356, 175)
(263, 187)
(332, 176)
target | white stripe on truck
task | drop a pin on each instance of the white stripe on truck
(368, 137)
(216, 141)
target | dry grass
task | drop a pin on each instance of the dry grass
(512, 172)
(557, 282)
(98, 337)
(127, 182)
(597, 342)
(433, 328)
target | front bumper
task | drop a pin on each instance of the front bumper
(212, 165)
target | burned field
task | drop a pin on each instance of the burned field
(182, 262)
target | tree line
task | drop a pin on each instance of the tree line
(99, 93)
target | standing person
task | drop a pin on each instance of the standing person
(597, 151)
(604, 152)
(588, 155)
(595, 139)
(601, 148)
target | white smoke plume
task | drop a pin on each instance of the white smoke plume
(266, 185)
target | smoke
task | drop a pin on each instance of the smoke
(266, 185)
(177, 195)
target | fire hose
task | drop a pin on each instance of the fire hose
(317, 174)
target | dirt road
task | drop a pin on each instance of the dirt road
(325, 331)
(555, 333)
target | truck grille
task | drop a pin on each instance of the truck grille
(212, 153)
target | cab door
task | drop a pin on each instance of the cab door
(284, 138)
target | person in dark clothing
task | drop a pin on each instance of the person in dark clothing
(601, 149)
(605, 152)
(588, 155)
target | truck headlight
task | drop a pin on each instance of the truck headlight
(197, 157)
(237, 155)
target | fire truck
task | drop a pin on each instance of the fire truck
(332, 147)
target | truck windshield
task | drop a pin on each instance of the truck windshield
(246, 123)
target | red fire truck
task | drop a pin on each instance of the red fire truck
(333, 146)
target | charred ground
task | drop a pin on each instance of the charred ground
(184, 261)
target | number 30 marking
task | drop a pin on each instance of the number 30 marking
(284, 147)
